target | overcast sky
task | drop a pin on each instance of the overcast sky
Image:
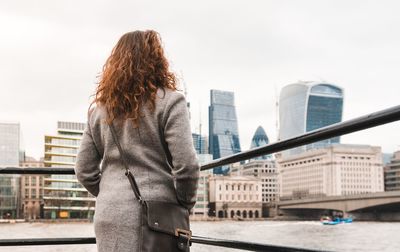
(52, 51)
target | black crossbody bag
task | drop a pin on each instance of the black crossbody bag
(164, 226)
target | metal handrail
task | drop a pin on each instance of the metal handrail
(357, 124)
(249, 246)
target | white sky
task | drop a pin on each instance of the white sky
(52, 51)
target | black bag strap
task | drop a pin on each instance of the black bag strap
(128, 173)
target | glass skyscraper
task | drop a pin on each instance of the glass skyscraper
(200, 143)
(9, 157)
(260, 138)
(306, 106)
(223, 127)
(9, 144)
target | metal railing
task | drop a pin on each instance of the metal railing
(339, 129)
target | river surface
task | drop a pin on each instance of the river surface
(358, 236)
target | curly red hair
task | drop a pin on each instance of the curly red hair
(132, 74)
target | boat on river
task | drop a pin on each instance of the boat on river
(326, 220)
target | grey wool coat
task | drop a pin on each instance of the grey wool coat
(162, 158)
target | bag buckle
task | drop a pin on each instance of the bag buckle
(184, 237)
(187, 233)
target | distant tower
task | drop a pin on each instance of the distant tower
(185, 91)
(306, 106)
(223, 127)
(260, 138)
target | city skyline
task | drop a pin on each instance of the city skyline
(50, 61)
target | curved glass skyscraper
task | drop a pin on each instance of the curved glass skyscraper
(260, 138)
(223, 127)
(306, 106)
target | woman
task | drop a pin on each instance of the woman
(137, 94)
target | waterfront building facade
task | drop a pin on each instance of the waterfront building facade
(259, 139)
(307, 106)
(223, 127)
(32, 190)
(235, 197)
(336, 170)
(392, 173)
(64, 196)
(10, 196)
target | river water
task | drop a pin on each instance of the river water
(358, 236)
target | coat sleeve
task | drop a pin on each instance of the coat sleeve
(178, 136)
(87, 168)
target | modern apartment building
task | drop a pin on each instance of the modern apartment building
(392, 173)
(32, 190)
(335, 170)
(223, 127)
(235, 197)
(10, 196)
(64, 196)
(307, 106)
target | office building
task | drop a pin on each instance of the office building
(235, 197)
(392, 173)
(64, 196)
(201, 207)
(307, 106)
(260, 138)
(223, 127)
(200, 143)
(10, 196)
(335, 170)
(266, 171)
(9, 144)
